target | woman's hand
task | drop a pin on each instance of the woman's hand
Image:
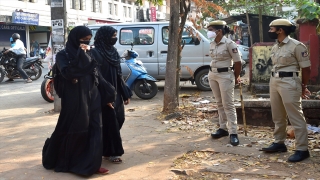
(305, 93)
(110, 105)
(126, 102)
(237, 81)
(85, 47)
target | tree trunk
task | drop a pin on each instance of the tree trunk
(249, 28)
(260, 24)
(170, 99)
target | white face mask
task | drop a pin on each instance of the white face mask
(211, 34)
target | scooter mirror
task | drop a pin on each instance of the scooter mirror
(131, 45)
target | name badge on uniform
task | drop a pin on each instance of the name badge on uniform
(235, 50)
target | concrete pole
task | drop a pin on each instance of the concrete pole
(58, 13)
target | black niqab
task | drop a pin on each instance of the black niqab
(105, 48)
(73, 42)
(80, 61)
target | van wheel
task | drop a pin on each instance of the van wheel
(202, 80)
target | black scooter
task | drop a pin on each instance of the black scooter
(8, 66)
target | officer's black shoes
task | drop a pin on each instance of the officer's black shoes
(220, 133)
(299, 156)
(234, 141)
(275, 147)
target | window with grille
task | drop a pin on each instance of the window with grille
(124, 11)
(129, 12)
(83, 4)
(110, 8)
(115, 9)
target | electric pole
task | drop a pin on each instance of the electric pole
(58, 35)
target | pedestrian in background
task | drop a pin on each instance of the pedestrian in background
(286, 88)
(41, 53)
(17, 46)
(76, 143)
(112, 119)
(35, 47)
(222, 78)
(231, 35)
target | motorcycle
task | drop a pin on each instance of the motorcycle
(47, 87)
(8, 66)
(139, 80)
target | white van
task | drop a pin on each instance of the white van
(151, 39)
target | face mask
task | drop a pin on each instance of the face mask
(211, 34)
(113, 41)
(85, 42)
(273, 35)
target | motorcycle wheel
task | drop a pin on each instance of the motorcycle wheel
(140, 90)
(38, 75)
(2, 74)
(47, 90)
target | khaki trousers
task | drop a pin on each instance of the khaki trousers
(222, 86)
(285, 98)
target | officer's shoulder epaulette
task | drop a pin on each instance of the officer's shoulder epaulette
(296, 42)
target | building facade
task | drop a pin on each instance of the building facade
(32, 18)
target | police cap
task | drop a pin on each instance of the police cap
(280, 22)
(217, 23)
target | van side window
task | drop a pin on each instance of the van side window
(137, 36)
(186, 36)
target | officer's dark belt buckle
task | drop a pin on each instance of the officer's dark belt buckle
(276, 74)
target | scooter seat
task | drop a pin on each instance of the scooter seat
(32, 58)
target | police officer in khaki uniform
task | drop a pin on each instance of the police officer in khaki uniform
(222, 78)
(286, 89)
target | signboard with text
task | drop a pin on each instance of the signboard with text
(153, 14)
(56, 3)
(25, 18)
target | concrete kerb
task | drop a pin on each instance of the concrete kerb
(258, 112)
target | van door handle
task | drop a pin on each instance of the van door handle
(150, 53)
(163, 52)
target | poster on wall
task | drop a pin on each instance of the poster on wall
(56, 3)
(57, 30)
(261, 64)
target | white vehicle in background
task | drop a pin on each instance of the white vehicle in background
(150, 40)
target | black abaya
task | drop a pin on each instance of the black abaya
(76, 143)
(112, 119)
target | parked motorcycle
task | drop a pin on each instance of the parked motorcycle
(47, 87)
(8, 66)
(139, 80)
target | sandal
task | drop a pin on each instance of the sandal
(102, 171)
(115, 159)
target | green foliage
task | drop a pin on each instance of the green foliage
(269, 7)
(309, 10)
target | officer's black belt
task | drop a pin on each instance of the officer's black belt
(225, 69)
(285, 74)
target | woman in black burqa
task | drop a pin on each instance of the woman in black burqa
(112, 119)
(76, 143)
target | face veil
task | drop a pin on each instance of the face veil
(103, 42)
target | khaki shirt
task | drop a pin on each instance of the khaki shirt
(223, 53)
(289, 56)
